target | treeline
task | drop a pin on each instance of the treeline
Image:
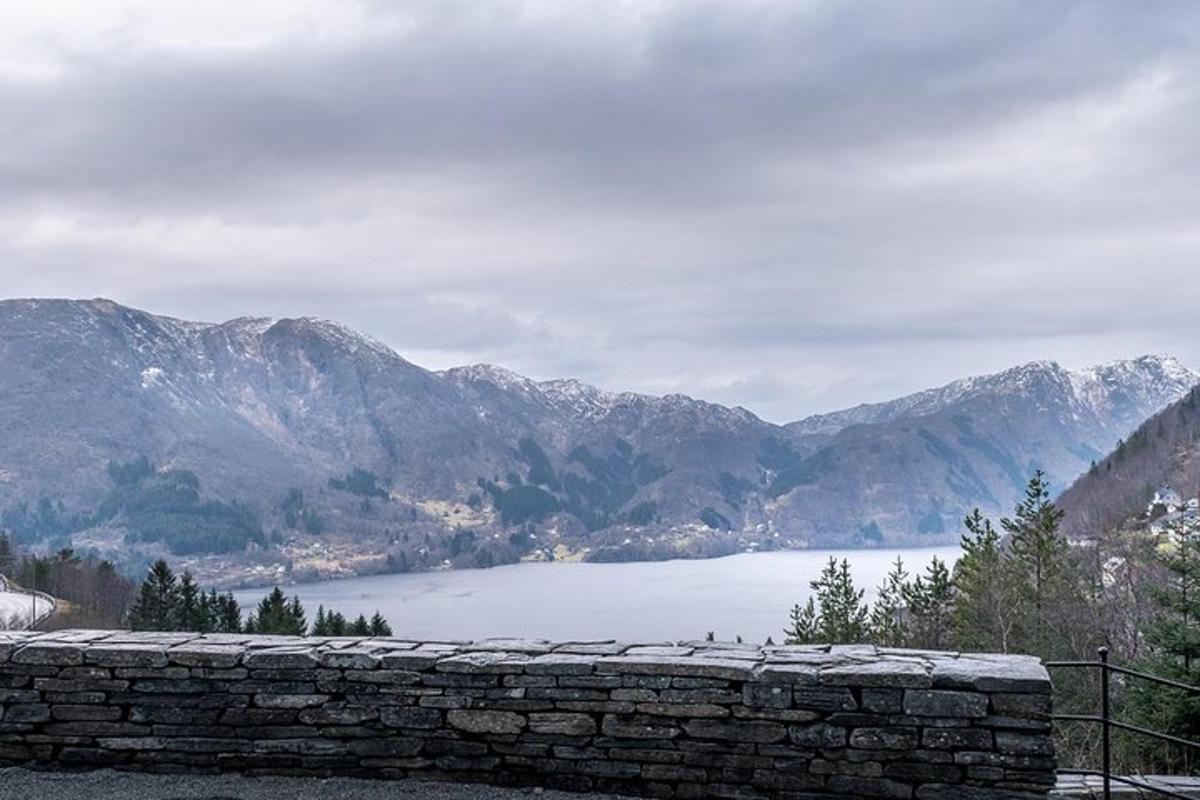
(169, 603)
(1024, 589)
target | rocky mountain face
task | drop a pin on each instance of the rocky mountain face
(301, 447)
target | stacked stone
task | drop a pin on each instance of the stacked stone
(694, 720)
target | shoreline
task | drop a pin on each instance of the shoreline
(267, 584)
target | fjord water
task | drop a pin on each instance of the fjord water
(748, 595)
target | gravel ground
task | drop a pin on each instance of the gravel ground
(109, 785)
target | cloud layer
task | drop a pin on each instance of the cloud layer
(788, 206)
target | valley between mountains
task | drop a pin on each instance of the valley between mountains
(257, 451)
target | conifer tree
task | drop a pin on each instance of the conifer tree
(803, 627)
(321, 625)
(229, 615)
(188, 613)
(986, 607)
(929, 600)
(296, 614)
(843, 615)
(836, 616)
(8, 556)
(1174, 643)
(361, 627)
(887, 613)
(1043, 570)
(380, 626)
(277, 615)
(155, 608)
(205, 615)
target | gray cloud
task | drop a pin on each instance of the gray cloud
(791, 206)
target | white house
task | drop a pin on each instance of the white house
(1168, 497)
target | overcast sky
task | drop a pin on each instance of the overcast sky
(790, 206)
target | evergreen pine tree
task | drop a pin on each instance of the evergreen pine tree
(8, 556)
(986, 607)
(1174, 644)
(843, 615)
(929, 600)
(321, 625)
(188, 616)
(803, 628)
(296, 613)
(229, 615)
(277, 615)
(1043, 570)
(155, 608)
(337, 624)
(204, 615)
(887, 614)
(361, 627)
(211, 609)
(380, 626)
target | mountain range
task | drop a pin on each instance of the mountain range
(302, 447)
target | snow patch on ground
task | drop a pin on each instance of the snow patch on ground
(17, 608)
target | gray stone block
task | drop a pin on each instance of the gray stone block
(943, 703)
(489, 663)
(562, 724)
(48, 653)
(899, 674)
(281, 658)
(817, 735)
(411, 717)
(480, 721)
(214, 656)
(738, 731)
(350, 658)
(629, 726)
(884, 738)
(956, 739)
(992, 674)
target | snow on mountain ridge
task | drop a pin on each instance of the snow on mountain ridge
(1090, 390)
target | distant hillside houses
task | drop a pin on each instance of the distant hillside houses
(1169, 511)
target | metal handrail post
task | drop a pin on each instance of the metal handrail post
(1105, 716)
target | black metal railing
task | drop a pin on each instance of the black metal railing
(1108, 724)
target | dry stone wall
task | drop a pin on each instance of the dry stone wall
(694, 720)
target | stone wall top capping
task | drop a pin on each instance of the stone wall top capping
(853, 666)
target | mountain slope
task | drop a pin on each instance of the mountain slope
(259, 449)
(934, 456)
(1163, 451)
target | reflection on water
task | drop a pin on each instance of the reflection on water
(748, 595)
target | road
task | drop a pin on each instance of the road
(16, 606)
(110, 785)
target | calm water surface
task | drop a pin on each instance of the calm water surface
(747, 594)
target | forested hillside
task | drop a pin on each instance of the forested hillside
(1165, 450)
